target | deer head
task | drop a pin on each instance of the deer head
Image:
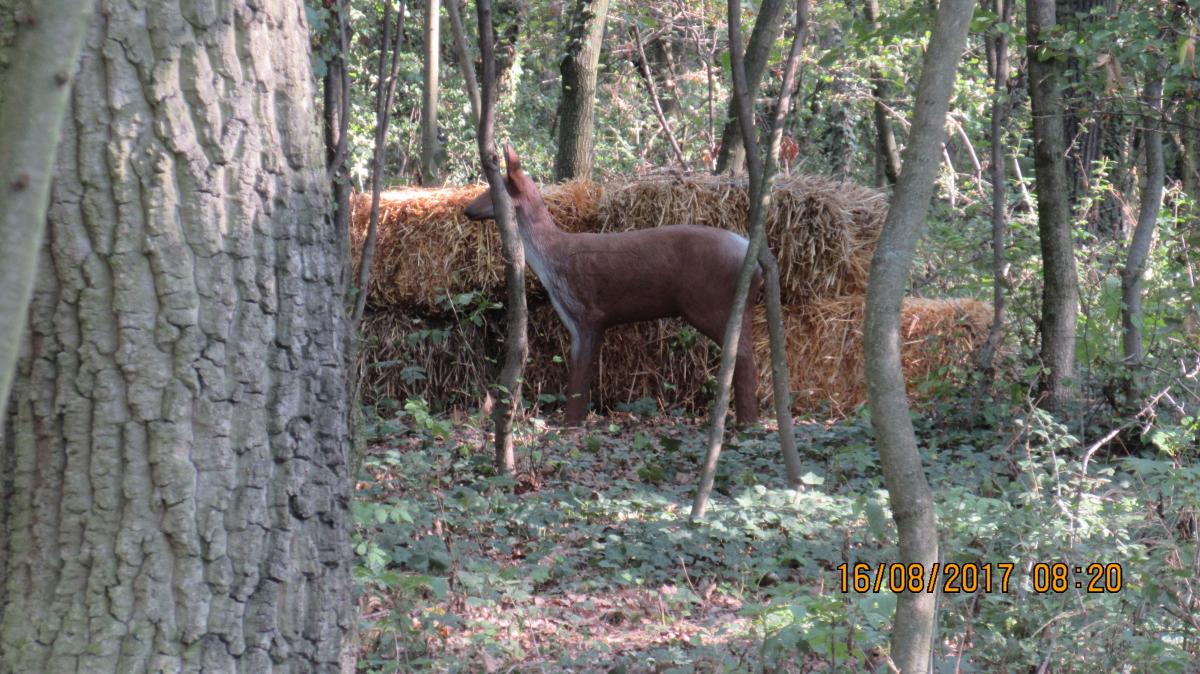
(519, 186)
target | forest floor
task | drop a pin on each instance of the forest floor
(587, 562)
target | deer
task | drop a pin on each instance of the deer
(598, 280)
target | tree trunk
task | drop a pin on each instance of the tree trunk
(516, 340)
(1143, 235)
(885, 137)
(431, 150)
(762, 180)
(732, 156)
(1059, 301)
(908, 491)
(1082, 133)
(174, 476)
(577, 107)
(999, 60)
(1190, 141)
(462, 50)
(34, 93)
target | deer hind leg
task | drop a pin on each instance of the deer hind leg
(585, 343)
(745, 375)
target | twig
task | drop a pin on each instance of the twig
(644, 69)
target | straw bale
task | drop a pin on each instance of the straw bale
(825, 347)
(822, 231)
(672, 364)
(426, 249)
(444, 361)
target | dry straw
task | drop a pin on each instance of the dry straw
(427, 250)
(668, 362)
(822, 231)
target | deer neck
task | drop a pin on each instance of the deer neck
(545, 251)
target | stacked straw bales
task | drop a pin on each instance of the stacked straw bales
(823, 233)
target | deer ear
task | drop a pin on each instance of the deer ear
(512, 161)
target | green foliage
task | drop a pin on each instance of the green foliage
(464, 568)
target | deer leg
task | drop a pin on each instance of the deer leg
(585, 342)
(745, 376)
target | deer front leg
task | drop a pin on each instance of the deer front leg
(584, 345)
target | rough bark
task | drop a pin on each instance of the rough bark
(762, 180)
(516, 341)
(174, 472)
(885, 138)
(732, 155)
(577, 106)
(431, 150)
(462, 50)
(998, 52)
(1059, 301)
(908, 490)
(1143, 234)
(34, 93)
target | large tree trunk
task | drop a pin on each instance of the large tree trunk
(732, 156)
(908, 490)
(1059, 301)
(34, 92)
(431, 150)
(174, 475)
(577, 107)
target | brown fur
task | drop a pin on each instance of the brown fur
(600, 280)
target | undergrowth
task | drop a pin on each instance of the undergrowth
(587, 562)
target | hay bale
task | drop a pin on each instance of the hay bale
(666, 360)
(825, 347)
(427, 250)
(822, 231)
(444, 361)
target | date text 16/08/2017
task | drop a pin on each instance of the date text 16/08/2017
(970, 577)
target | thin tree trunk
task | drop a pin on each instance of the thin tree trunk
(1059, 301)
(516, 343)
(385, 94)
(431, 150)
(577, 106)
(999, 58)
(34, 93)
(175, 480)
(462, 50)
(908, 490)
(663, 122)
(885, 137)
(1143, 236)
(762, 179)
(337, 125)
(1190, 141)
(732, 155)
